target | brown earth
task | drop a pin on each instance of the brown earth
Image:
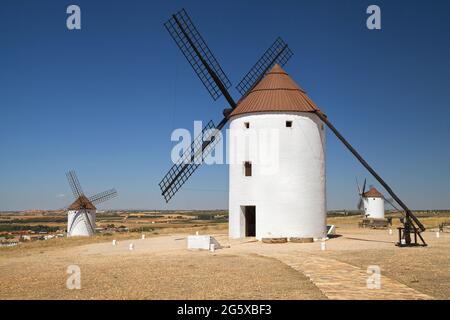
(160, 267)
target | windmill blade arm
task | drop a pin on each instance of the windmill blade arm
(408, 212)
(74, 184)
(360, 204)
(357, 185)
(103, 196)
(191, 159)
(199, 56)
(278, 52)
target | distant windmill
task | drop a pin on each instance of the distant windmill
(82, 212)
(261, 206)
(372, 202)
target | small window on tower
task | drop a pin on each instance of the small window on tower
(288, 124)
(248, 168)
(247, 124)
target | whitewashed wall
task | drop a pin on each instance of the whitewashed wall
(78, 223)
(374, 207)
(289, 195)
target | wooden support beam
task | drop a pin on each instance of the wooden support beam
(409, 214)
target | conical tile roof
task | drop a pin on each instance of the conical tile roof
(372, 193)
(276, 92)
(82, 203)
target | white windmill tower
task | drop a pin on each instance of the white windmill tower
(290, 203)
(371, 201)
(277, 163)
(81, 213)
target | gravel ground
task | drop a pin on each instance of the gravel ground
(158, 268)
(161, 268)
(424, 269)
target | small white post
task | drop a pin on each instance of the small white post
(196, 233)
(212, 247)
(143, 236)
(438, 234)
(114, 242)
(390, 232)
(323, 246)
(131, 247)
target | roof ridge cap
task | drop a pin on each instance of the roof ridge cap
(278, 89)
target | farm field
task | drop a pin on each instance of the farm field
(40, 225)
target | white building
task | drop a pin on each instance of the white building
(81, 218)
(373, 202)
(277, 163)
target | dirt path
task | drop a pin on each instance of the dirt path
(406, 273)
(341, 281)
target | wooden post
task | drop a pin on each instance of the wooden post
(408, 212)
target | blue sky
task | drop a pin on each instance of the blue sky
(104, 100)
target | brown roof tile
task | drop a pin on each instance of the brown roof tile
(82, 203)
(372, 193)
(274, 93)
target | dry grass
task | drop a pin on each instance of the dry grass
(429, 222)
(140, 275)
(161, 267)
(39, 247)
(28, 248)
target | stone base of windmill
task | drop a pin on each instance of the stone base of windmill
(375, 223)
(274, 240)
(301, 240)
(285, 240)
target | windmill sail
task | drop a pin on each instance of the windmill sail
(74, 184)
(277, 53)
(188, 163)
(103, 196)
(81, 213)
(81, 201)
(214, 79)
(205, 65)
(198, 54)
(360, 205)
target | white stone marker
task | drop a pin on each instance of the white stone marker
(438, 234)
(131, 247)
(323, 246)
(196, 233)
(390, 232)
(202, 242)
(114, 242)
(143, 236)
(212, 247)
